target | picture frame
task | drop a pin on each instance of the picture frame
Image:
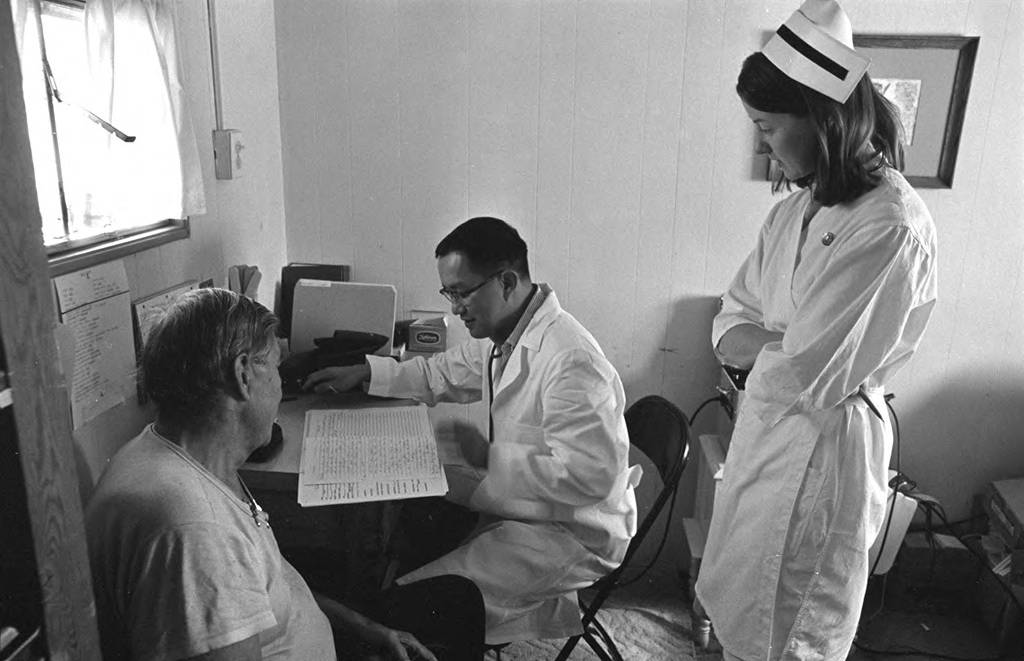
(146, 311)
(929, 79)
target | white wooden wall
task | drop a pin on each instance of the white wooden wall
(608, 132)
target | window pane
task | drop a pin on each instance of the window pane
(40, 136)
(94, 189)
(64, 32)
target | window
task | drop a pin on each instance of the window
(115, 161)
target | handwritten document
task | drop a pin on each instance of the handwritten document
(360, 455)
(94, 306)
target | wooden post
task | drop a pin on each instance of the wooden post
(40, 398)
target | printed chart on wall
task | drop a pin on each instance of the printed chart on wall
(94, 306)
(359, 455)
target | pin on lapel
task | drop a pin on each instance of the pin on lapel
(827, 238)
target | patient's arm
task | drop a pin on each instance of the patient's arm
(395, 645)
(741, 344)
(244, 650)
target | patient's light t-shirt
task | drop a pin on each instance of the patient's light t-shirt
(181, 568)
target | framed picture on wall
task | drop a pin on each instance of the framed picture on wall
(928, 78)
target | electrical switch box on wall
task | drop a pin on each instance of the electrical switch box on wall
(227, 153)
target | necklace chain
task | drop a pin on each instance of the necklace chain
(259, 515)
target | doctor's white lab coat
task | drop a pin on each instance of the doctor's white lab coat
(557, 496)
(803, 492)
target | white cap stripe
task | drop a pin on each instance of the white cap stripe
(805, 52)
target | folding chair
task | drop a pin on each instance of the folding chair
(661, 431)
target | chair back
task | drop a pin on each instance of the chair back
(661, 431)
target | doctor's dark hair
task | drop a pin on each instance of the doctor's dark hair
(189, 355)
(490, 244)
(844, 168)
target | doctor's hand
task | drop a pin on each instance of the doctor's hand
(337, 379)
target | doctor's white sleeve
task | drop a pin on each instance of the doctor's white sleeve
(455, 375)
(581, 453)
(863, 317)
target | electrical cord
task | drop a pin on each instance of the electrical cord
(896, 483)
(940, 512)
(931, 508)
(895, 488)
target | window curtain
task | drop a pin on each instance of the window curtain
(136, 86)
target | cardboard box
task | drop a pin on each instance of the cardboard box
(899, 510)
(937, 561)
(1000, 612)
(428, 335)
(1005, 505)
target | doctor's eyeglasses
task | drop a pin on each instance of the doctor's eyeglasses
(458, 297)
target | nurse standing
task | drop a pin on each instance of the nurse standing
(828, 306)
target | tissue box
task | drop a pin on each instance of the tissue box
(429, 335)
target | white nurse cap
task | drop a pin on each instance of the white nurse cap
(815, 47)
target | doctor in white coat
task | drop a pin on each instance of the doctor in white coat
(556, 494)
(831, 302)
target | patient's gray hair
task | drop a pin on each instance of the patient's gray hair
(188, 357)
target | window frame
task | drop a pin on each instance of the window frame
(73, 256)
(76, 254)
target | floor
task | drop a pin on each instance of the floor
(650, 620)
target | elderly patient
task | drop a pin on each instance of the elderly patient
(184, 561)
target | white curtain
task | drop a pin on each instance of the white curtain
(131, 80)
(136, 86)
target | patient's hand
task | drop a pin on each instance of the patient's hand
(337, 379)
(397, 645)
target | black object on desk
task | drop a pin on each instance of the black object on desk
(291, 274)
(343, 348)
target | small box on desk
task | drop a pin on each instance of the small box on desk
(428, 335)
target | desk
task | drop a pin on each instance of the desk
(343, 550)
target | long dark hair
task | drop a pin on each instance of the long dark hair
(856, 139)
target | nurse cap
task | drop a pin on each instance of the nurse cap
(815, 47)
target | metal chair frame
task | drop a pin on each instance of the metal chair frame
(661, 431)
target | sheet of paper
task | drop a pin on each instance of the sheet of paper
(359, 455)
(104, 359)
(90, 285)
(94, 305)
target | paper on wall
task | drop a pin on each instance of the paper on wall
(94, 306)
